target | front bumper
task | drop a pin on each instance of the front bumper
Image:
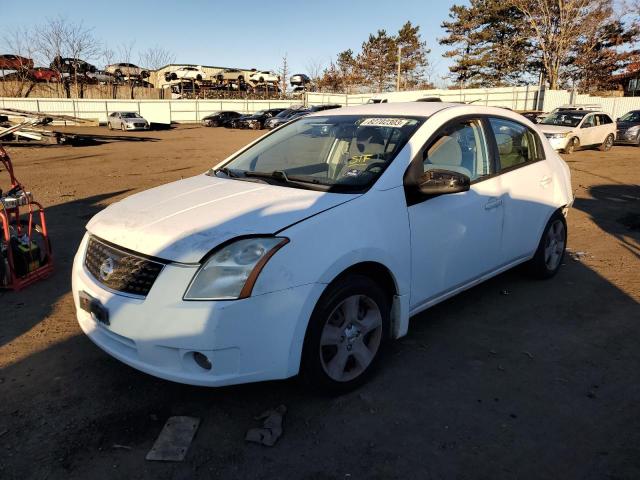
(558, 144)
(131, 126)
(254, 339)
(628, 137)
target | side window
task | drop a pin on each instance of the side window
(516, 143)
(605, 120)
(588, 122)
(462, 148)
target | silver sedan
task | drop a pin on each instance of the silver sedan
(126, 121)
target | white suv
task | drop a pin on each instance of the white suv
(568, 130)
(266, 76)
(186, 73)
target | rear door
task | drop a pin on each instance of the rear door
(455, 238)
(589, 132)
(526, 179)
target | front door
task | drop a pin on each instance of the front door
(456, 238)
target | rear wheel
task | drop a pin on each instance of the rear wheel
(607, 144)
(548, 258)
(346, 334)
(572, 146)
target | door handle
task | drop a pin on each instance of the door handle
(493, 203)
(545, 181)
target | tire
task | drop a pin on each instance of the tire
(548, 257)
(199, 78)
(607, 144)
(122, 127)
(241, 78)
(261, 79)
(109, 125)
(256, 126)
(572, 145)
(337, 356)
(214, 123)
(173, 76)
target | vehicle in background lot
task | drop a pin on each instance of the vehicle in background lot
(283, 117)
(278, 121)
(126, 70)
(628, 127)
(534, 116)
(230, 75)
(568, 130)
(306, 252)
(578, 106)
(186, 73)
(43, 74)
(15, 62)
(429, 99)
(299, 80)
(126, 121)
(264, 76)
(220, 119)
(101, 77)
(256, 121)
(72, 66)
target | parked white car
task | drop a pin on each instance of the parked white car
(186, 73)
(126, 121)
(128, 70)
(276, 263)
(568, 130)
(265, 76)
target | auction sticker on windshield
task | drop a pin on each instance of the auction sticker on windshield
(384, 122)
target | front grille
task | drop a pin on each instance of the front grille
(139, 124)
(119, 270)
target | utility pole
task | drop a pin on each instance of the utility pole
(399, 62)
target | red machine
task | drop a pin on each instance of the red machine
(25, 249)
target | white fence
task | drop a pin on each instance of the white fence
(160, 111)
(189, 111)
(516, 98)
(614, 106)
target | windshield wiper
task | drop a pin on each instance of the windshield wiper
(227, 171)
(281, 176)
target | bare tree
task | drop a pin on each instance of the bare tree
(155, 58)
(314, 69)
(283, 73)
(557, 26)
(19, 82)
(60, 38)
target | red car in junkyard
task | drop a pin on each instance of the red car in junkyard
(15, 62)
(43, 74)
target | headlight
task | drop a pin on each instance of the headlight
(231, 271)
(557, 135)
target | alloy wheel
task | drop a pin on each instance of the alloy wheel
(351, 338)
(554, 244)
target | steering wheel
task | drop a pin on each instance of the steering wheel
(373, 165)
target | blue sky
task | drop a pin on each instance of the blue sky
(245, 34)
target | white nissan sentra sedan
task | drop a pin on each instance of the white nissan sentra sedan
(308, 250)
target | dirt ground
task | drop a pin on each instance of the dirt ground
(512, 379)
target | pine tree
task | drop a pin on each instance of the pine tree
(377, 61)
(413, 55)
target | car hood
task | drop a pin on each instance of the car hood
(554, 128)
(626, 125)
(182, 221)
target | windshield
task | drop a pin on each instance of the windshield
(564, 119)
(336, 153)
(129, 115)
(630, 117)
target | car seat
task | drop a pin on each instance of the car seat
(445, 154)
(508, 154)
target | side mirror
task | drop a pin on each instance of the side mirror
(442, 182)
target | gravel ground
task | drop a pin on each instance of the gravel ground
(512, 379)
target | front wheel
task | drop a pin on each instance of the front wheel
(607, 144)
(571, 147)
(346, 334)
(122, 127)
(109, 125)
(548, 257)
